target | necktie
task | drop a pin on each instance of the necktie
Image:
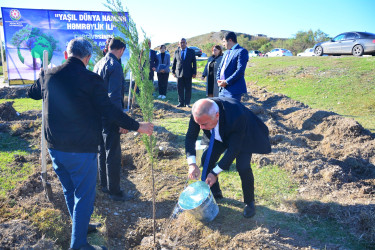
(224, 65)
(183, 55)
(208, 155)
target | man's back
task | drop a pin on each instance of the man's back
(110, 69)
(72, 120)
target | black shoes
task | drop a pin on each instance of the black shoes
(218, 195)
(91, 247)
(105, 190)
(188, 106)
(93, 227)
(249, 210)
(122, 196)
(180, 105)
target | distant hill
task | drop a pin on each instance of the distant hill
(202, 41)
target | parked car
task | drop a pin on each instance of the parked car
(279, 52)
(255, 53)
(198, 51)
(307, 52)
(355, 43)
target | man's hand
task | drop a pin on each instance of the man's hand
(211, 179)
(202, 78)
(194, 171)
(153, 68)
(123, 131)
(146, 128)
(174, 75)
(194, 76)
(222, 83)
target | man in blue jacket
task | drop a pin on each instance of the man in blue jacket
(74, 100)
(110, 69)
(231, 72)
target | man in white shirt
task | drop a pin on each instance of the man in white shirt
(231, 128)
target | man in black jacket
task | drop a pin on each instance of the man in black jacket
(109, 166)
(233, 129)
(154, 62)
(184, 68)
(74, 100)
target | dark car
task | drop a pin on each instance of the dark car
(198, 51)
(355, 43)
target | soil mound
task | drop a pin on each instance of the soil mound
(20, 234)
(7, 112)
(12, 93)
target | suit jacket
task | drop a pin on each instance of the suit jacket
(187, 67)
(206, 72)
(154, 62)
(234, 70)
(166, 62)
(239, 128)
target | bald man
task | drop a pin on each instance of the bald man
(237, 133)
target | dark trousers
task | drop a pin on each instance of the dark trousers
(243, 168)
(151, 75)
(110, 158)
(77, 174)
(163, 83)
(184, 90)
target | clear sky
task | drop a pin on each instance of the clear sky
(169, 20)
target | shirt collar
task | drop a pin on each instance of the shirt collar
(234, 46)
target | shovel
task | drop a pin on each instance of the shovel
(46, 185)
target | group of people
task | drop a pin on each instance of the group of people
(84, 118)
(225, 72)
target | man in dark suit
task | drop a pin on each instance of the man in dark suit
(154, 62)
(184, 68)
(231, 72)
(233, 129)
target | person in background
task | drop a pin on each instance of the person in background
(210, 71)
(74, 101)
(163, 71)
(105, 50)
(231, 72)
(184, 68)
(154, 62)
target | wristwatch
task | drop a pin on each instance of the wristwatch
(212, 172)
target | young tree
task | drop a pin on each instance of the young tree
(139, 64)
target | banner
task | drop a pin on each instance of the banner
(28, 32)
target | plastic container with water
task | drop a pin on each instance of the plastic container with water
(199, 149)
(198, 200)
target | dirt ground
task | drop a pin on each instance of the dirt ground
(331, 157)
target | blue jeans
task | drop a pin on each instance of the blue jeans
(77, 174)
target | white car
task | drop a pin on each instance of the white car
(307, 52)
(279, 52)
(255, 53)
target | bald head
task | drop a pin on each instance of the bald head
(206, 113)
(205, 107)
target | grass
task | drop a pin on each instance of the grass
(340, 84)
(274, 188)
(12, 174)
(24, 104)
